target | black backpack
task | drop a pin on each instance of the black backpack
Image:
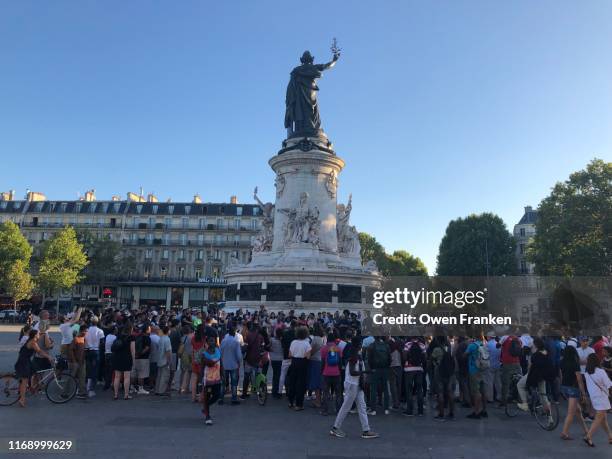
(416, 356)
(380, 355)
(446, 367)
(515, 348)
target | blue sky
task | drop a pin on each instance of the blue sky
(440, 108)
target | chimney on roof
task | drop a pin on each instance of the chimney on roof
(133, 197)
(7, 195)
(528, 209)
(115, 198)
(197, 199)
(90, 195)
(152, 198)
(233, 200)
(34, 196)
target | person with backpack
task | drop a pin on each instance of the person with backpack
(511, 351)
(414, 361)
(331, 360)
(478, 363)
(124, 355)
(443, 377)
(354, 393)
(379, 360)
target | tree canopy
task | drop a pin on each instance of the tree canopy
(399, 263)
(106, 258)
(574, 227)
(14, 247)
(475, 243)
(62, 261)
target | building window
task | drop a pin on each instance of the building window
(202, 223)
(254, 225)
(524, 269)
(217, 255)
(219, 223)
(163, 272)
(148, 254)
(168, 222)
(170, 210)
(181, 254)
(155, 208)
(522, 232)
(181, 273)
(149, 238)
(522, 249)
(237, 223)
(185, 222)
(165, 239)
(200, 255)
(165, 254)
(200, 239)
(139, 208)
(198, 273)
(116, 207)
(255, 210)
(187, 210)
(239, 210)
(183, 239)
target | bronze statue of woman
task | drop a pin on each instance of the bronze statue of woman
(302, 110)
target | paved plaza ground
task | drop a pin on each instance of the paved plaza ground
(173, 428)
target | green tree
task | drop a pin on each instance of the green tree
(107, 260)
(61, 263)
(574, 227)
(476, 246)
(18, 282)
(400, 263)
(14, 247)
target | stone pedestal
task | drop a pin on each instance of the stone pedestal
(307, 255)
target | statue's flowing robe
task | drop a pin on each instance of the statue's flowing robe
(301, 100)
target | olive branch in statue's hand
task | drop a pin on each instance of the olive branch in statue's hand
(335, 49)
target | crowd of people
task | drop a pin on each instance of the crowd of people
(322, 358)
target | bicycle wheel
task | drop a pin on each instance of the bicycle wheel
(62, 388)
(262, 393)
(9, 390)
(511, 409)
(546, 420)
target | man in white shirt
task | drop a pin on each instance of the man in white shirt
(583, 352)
(92, 354)
(65, 328)
(164, 362)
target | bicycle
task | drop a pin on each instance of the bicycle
(259, 385)
(59, 386)
(546, 419)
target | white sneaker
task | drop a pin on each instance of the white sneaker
(386, 411)
(91, 394)
(523, 406)
(142, 391)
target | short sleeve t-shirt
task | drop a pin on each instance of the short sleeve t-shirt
(472, 351)
(568, 372)
(164, 346)
(583, 354)
(66, 331)
(299, 348)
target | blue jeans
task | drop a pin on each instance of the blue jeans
(91, 363)
(232, 377)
